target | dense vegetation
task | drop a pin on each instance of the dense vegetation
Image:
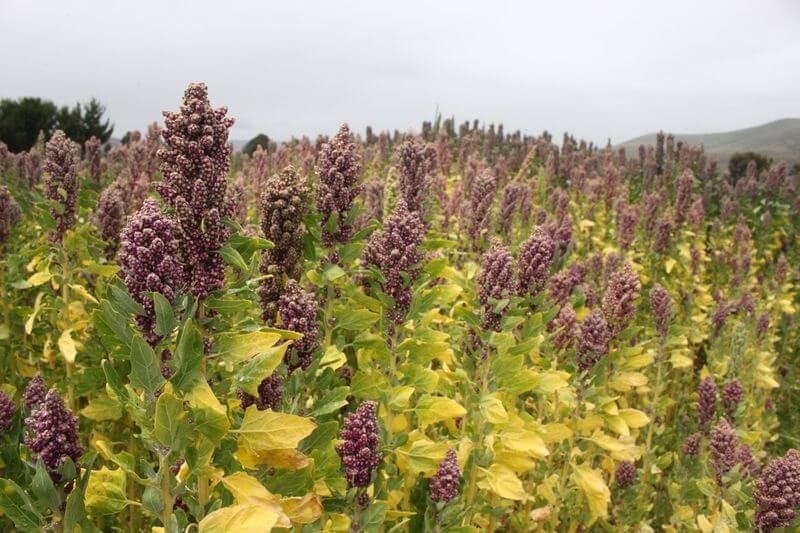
(460, 330)
(24, 121)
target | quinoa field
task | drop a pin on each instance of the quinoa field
(457, 328)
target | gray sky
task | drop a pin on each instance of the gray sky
(596, 69)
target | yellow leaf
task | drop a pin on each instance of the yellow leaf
(669, 264)
(333, 358)
(502, 481)
(550, 382)
(290, 459)
(105, 492)
(555, 432)
(240, 519)
(268, 430)
(241, 347)
(66, 345)
(634, 418)
(401, 395)
(81, 291)
(594, 488)
(40, 278)
(523, 440)
(247, 490)
(305, 510)
(622, 449)
(679, 360)
(493, 410)
(424, 456)
(337, 523)
(37, 306)
(432, 409)
(617, 424)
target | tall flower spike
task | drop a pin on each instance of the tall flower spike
(444, 484)
(283, 205)
(691, 446)
(732, 396)
(777, 492)
(481, 200)
(566, 327)
(592, 340)
(706, 401)
(110, 217)
(53, 433)
(35, 392)
(496, 282)
(339, 164)
(724, 448)
(619, 301)
(195, 162)
(298, 310)
(359, 449)
(416, 161)
(535, 258)
(661, 307)
(9, 215)
(7, 409)
(394, 251)
(61, 184)
(149, 262)
(93, 153)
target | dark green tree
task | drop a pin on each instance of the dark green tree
(81, 122)
(259, 140)
(739, 161)
(22, 120)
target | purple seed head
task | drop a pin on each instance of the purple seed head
(9, 215)
(150, 262)
(416, 162)
(444, 484)
(395, 252)
(298, 311)
(691, 446)
(496, 282)
(195, 160)
(626, 474)
(35, 392)
(110, 217)
(620, 298)
(777, 492)
(535, 258)
(661, 307)
(706, 401)
(359, 449)
(732, 396)
(7, 409)
(53, 433)
(61, 184)
(593, 340)
(339, 164)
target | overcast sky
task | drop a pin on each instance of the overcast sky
(596, 69)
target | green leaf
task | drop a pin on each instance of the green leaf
(250, 376)
(165, 317)
(75, 513)
(232, 257)
(43, 488)
(372, 517)
(188, 357)
(17, 505)
(145, 367)
(105, 493)
(125, 302)
(228, 304)
(331, 402)
(355, 319)
(171, 428)
(117, 323)
(368, 384)
(101, 409)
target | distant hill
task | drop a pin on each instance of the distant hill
(779, 140)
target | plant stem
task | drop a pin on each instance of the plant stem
(651, 427)
(166, 497)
